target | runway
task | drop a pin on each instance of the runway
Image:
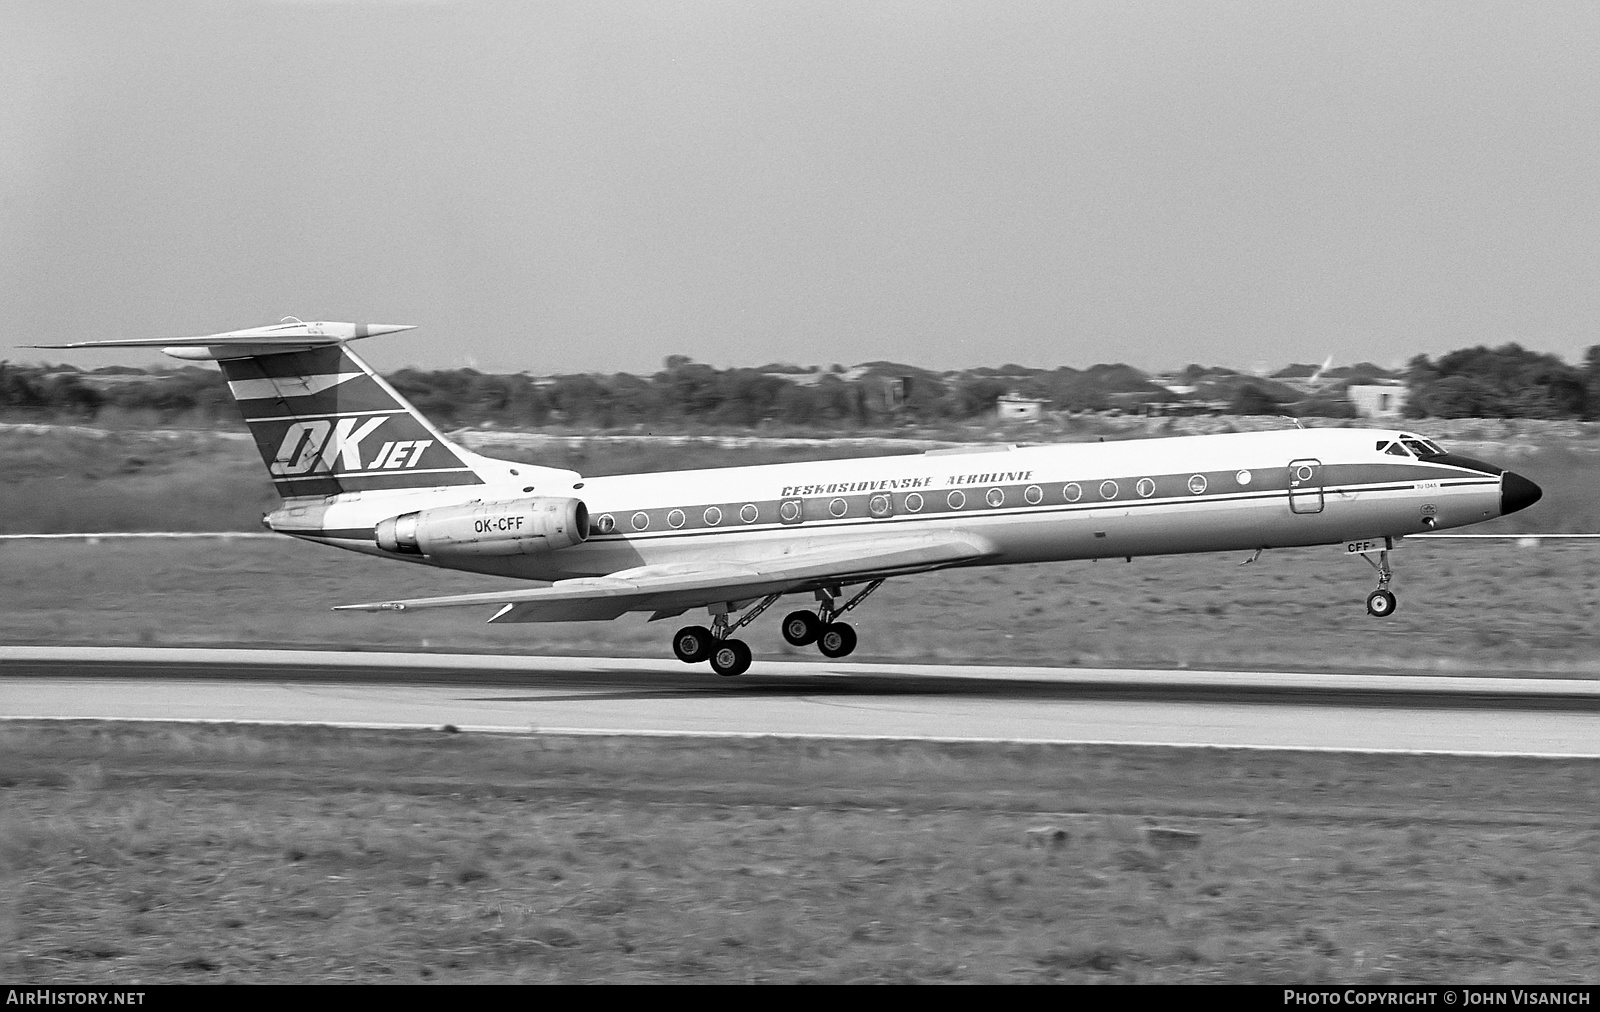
(1346, 712)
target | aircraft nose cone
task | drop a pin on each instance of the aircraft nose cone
(1517, 493)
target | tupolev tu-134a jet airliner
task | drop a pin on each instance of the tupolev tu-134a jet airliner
(361, 469)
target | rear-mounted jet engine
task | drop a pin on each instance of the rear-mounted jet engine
(516, 527)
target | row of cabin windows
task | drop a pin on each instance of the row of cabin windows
(790, 510)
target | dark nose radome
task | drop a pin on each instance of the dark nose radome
(1517, 493)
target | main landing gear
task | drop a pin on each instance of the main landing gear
(729, 657)
(696, 643)
(832, 637)
(1381, 603)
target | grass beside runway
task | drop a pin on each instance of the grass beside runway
(1465, 607)
(69, 479)
(156, 853)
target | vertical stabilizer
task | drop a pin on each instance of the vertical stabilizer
(323, 420)
(325, 423)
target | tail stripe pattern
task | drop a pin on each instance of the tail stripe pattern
(325, 423)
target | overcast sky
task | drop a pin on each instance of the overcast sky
(592, 186)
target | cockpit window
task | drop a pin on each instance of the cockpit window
(1418, 447)
(1397, 449)
(1381, 444)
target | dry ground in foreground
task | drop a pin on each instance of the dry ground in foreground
(160, 853)
(1464, 607)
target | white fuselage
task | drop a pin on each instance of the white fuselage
(1033, 504)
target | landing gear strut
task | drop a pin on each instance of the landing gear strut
(1381, 603)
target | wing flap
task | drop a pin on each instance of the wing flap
(674, 588)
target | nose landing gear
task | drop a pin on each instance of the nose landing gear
(1381, 603)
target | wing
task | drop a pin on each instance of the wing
(673, 589)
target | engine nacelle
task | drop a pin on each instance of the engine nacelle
(514, 527)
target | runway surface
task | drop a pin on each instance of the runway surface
(818, 698)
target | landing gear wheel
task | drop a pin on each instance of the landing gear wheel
(1381, 604)
(801, 628)
(692, 644)
(730, 657)
(837, 640)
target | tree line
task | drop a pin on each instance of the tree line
(1504, 382)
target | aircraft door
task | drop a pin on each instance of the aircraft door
(1305, 486)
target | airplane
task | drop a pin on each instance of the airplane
(359, 468)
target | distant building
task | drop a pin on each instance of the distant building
(1016, 408)
(883, 393)
(1379, 401)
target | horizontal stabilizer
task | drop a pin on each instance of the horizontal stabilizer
(291, 333)
(674, 588)
(323, 421)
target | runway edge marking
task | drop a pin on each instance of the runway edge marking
(540, 663)
(578, 732)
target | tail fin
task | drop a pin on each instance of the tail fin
(326, 423)
(323, 421)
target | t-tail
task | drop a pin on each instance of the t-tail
(323, 420)
(326, 423)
